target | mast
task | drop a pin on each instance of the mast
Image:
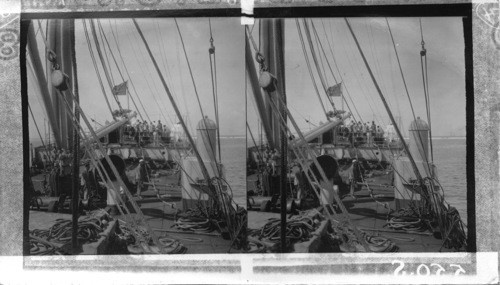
(261, 100)
(48, 101)
(59, 44)
(76, 138)
(273, 53)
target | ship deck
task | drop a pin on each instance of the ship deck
(369, 216)
(161, 218)
(158, 214)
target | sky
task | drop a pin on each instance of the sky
(444, 42)
(164, 41)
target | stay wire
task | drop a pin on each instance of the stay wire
(344, 212)
(340, 75)
(195, 89)
(117, 65)
(309, 67)
(330, 68)
(427, 90)
(213, 73)
(404, 82)
(99, 53)
(102, 36)
(38, 131)
(130, 78)
(92, 56)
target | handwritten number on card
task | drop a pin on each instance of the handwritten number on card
(440, 268)
(460, 269)
(399, 268)
(424, 270)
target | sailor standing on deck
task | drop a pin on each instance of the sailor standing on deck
(65, 160)
(373, 130)
(87, 183)
(390, 133)
(354, 177)
(275, 161)
(156, 131)
(141, 176)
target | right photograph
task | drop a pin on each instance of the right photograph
(356, 135)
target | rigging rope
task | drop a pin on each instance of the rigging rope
(189, 67)
(176, 109)
(95, 67)
(331, 71)
(96, 160)
(340, 75)
(401, 69)
(99, 53)
(147, 75)
(39, 134)
(423, 63)
(101, 34)
(213, 73)
(415, 168)
(128, 75)
(195, 89)
(298, 152)
(309, 68)
(313, 54)
(406, 88)
(117, 66)
(302, 159)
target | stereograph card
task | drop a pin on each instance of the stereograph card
(179, 138)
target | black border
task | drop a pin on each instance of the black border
(428, 10)
(26, 160)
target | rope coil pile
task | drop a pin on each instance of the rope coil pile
(146, 245)
(299, 228)
(375, 243)
(45, 242)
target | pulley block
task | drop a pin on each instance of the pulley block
(267, 81)
(60, 80)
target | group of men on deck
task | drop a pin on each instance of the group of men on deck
(154, 129)
(271, 161)
(63, 177)
(368, 133)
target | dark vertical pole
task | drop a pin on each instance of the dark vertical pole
(26, 171)
(469, 111)
(280, 72)
(76, 142)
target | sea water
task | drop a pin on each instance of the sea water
(450, 160)
(233, 155)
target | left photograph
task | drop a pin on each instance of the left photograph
(136, 136)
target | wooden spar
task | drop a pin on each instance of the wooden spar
(316, 132)
(104, 130)
(42, 83)
(258, 95)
